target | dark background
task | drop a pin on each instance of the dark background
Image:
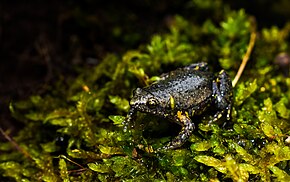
(41, 41)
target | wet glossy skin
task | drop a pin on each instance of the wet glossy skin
(181, 94)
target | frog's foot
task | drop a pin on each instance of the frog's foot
(185, 133)
(216, 117)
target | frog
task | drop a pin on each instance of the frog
(181, 94)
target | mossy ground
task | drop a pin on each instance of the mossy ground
(74, 131)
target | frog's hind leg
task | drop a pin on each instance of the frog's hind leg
(222, 90)
(186, 131)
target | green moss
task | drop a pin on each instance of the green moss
(75, 132)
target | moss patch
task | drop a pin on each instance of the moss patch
(74, 131)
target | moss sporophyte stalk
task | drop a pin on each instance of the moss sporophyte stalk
(74, 132)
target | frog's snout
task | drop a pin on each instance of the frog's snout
(140, 97)
(132, 102)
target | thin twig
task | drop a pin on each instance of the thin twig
(24, 152)
(64, 157)
(77, 170)
(245, 58)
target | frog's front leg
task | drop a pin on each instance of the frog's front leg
(183, 119)
(131, 116)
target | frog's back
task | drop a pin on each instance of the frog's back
(188, 89)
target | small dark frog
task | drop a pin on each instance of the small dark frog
(181, 94)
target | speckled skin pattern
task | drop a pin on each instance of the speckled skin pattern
(181, 94)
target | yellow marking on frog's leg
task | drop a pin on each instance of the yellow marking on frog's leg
(217, 80)
(192, 112)
(179, 116)
(229, 114)
(182, 117)
(216, 117)
(222, 71)
(172, 102)
(219, 116)
(229, 109)
(196, 68)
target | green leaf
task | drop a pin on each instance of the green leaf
(279, 174)
(211, 161)
(100, 168)
(121, 103)
(249, 168)
(244, 91)
(244, 154)
(268, 129)
(63, 170)
(201, 146)
(49, 147)
(118, 120)
(281, 108)
(110, 150)
(237, 173)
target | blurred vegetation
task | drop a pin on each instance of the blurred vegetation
(74, 132)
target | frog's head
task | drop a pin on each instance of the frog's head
(144, 101)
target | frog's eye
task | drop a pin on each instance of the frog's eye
(152, 103)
